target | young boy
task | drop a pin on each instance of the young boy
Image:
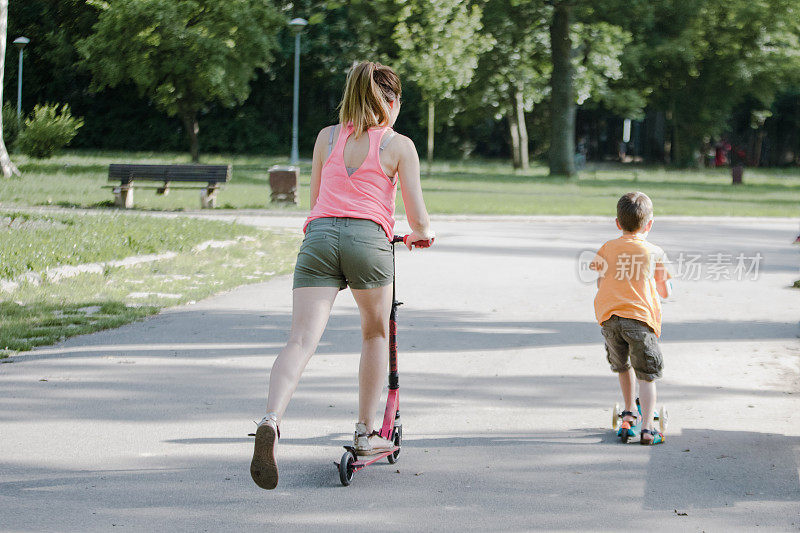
(632, 276)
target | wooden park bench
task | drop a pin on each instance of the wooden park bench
(132, 176)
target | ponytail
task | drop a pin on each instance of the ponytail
(368, 93)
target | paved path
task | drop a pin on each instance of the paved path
(505, 395)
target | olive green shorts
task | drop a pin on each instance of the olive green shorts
(631, 343)
(340, 251)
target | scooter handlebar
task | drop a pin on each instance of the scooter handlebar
(416, 244)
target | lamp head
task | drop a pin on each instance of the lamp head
(298, 24)
(21, 42)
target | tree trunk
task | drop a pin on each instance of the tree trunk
(9, 168)
(523, 131)
(192, 128)
(430, 135)
(562, 142)
(675, 147)
(759, 146)
(513, 129)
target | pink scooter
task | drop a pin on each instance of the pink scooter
(391, 429)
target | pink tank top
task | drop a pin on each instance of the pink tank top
(367, 193)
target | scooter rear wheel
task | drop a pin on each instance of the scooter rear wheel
(398, 441)
(346, 468)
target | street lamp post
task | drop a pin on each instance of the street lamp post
(297, 26)
(21, 43)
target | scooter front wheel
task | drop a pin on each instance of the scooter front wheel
(398, 441)
(346, 468)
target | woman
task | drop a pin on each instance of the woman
(354, 174)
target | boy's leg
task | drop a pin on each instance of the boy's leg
(647, 398)
(617, 349)
(627, 383)
(648, 363)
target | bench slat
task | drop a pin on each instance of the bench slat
(142, 172)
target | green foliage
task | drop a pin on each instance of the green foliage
(599, 48)
(10, 125)
(47, 130)
(182, 55)
(440, 42)
(700, 62)
(699, 59)
(519, 59)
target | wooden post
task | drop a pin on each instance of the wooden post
(123, 196)
(208, 196)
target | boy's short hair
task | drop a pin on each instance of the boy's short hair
(634, 211)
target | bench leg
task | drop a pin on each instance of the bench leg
(123, 197)
(208, 198)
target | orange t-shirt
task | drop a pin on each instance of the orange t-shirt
(628, 286)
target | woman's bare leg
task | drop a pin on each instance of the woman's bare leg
(374, 306)
(311, 308)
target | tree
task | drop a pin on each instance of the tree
(587, 60)
(183, 55)
(513, 75)
(562, 86)
(440, 42)
(9, 168)
(700, 59)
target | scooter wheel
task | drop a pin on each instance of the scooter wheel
(663, 418)
(398, 441)
(615, 416)
(346, 468)
(624, 436)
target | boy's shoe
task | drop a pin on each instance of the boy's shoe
(629, 428)
(657, 437)
(370, 444)
(263, 468)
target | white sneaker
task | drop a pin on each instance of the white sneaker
(263, 468)
(369, 443)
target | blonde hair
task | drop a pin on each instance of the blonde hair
(368, 93)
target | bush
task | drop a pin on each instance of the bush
(10, 125)
(47, 130)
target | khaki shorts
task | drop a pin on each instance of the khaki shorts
(629, 343)
(337, 252)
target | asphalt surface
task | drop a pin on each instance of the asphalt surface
(506, 399)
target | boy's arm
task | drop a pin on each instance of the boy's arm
(599, 265)
(662, 277)
(663, 281)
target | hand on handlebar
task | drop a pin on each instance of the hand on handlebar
(415, 240)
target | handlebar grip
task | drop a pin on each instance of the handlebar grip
(418, 244)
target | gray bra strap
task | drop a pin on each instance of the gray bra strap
(330, 139)
(387, 139)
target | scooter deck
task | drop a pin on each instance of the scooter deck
(367, 459)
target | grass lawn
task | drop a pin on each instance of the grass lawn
(39, 314)
(480, 187)
(37, 241)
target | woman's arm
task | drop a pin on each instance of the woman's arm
(411, 189)
(320, 155)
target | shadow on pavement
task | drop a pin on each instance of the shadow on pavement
(240, 334)
(523, 480)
